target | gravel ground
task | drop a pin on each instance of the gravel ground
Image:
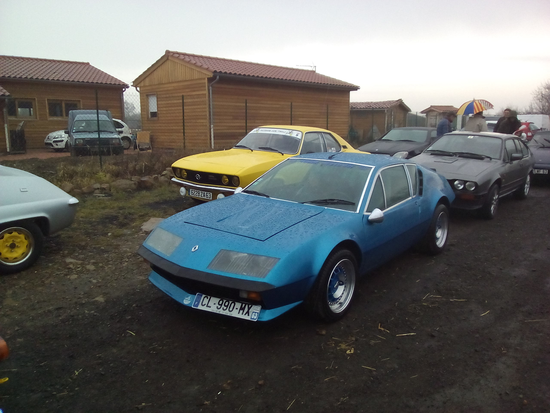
(466, 331)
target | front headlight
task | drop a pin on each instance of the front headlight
(459, 184)
(163, 241)
(243, 264)
(235, 181)
(401, 155)
(470, 186)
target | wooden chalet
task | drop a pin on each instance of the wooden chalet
(37, 94)
(435, 113)
(199, 102)
(370, 120)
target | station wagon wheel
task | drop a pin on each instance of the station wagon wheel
(523, 190)
(20, 246)
(489, 208)
(126, 143)
(435, 240)
(332, 293)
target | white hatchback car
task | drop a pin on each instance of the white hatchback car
(59, 140)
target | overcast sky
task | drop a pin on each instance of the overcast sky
(425, 52)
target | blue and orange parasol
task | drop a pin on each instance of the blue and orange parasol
(474, 106)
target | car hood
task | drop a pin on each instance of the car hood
(392, 147)
(231, 162)
(244, 215)
(541, 155)
(452, 167)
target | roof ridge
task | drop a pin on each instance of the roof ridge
(238, 61)
(46, 60)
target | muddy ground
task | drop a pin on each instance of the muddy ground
(466, 331)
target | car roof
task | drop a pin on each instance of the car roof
(295, 127)
(488, 134)
(363, 158)
(426, 128)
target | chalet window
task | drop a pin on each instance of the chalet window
(152, 100)
(21, 108)
(61, 108)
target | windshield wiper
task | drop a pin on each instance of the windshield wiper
(440, 152)
(243, 146)
(267, 148)
(472, 155)
(250, 191)
(329, 201)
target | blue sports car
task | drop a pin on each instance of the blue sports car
(301, 233)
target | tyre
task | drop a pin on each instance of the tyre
(332, 292)
(489, 208)
(20, 246)
(126, 143)
(523, 190)
(435, 240)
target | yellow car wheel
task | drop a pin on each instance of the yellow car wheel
(20, 246)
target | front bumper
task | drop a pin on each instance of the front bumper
(468, 201)
(202, 192)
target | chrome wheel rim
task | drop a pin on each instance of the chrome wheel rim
(16, 245)
(494, 202)
(527, 185)
(341, 285)
(441, 229)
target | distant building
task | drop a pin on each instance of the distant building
(435, 113)
(39, 93)
(371, 120)
(199, 102)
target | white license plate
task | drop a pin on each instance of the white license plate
(200, 194)
(231, 308)
(540, 171)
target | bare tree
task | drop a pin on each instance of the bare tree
(541, 100)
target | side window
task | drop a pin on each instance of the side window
(312, 143)
(522, 147)
(331, 144)
(396, 185)
(510, 147)
(414, 178)
(377, 197)
(118, 125)
(433, 135)
(152, 102)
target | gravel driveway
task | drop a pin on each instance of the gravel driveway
(466, 331)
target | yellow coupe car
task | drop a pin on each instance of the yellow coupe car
(214, 175)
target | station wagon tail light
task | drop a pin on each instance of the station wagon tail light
(241, 263)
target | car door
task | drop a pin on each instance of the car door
(514, 170)
(391, 193)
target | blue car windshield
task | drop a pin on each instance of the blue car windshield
(285, 141)
(474, 144)
(328, 183)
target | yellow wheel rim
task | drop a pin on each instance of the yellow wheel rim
(15, 245)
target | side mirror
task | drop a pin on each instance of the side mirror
(376, 216)
(516, 157)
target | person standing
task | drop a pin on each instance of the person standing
(508, 123)
(476, 123)
(445, 125)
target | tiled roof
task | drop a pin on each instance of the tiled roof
(221, 66)
(27, 68)
(382, 105)
(4, 92)
(440, 109)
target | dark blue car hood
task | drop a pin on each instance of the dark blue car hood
(246, 215)
(392, 147)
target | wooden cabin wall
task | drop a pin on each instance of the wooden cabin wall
(37, 127)
(240, 106)
(182, 121)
